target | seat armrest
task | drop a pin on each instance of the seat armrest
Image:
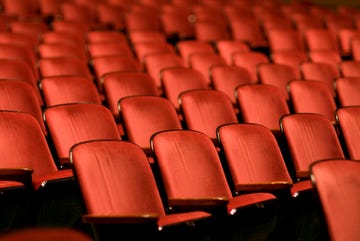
(23, 175)
(303, 174)
(203, 202)
(268, 186)
(64, 163)
(55, 184)
(131, 219)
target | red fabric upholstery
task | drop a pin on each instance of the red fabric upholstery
(248, 30)
(68, 89)
(55, 50)
(103, 36)
(176, 80)
(337, 183)
(348, 119)
(323, 72)
(156, 63)
(211, 31)
(312, 96)
(106, 64)
(120, 183)
(250, 60)
(345, 36)
(291, 58)
(254, 158)
(62, 66)
(310, 137)
(203, 63)
(350, 68)
(69, 124)
(188, 47)
(142, 36)
(113, 47)
(205, 110)
(191, 169)
(277, 75)
(174, 21)
(347, 91)
(108, 14)
(227, 48)
(77, 13)
(116, 180)
(10, 184)
(31, 149)
(355, 48)
(18, 51)
(18, 69)
(147, 48)
(20, 7)
(137, 21)
(18, 95)
(25, 40)
(285, 39)
(262, 104)
(144, 115)
(226, 78)
(63, 37)
(320, 39)
(331, 57)
(117, 85)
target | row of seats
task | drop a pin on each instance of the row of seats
(323, 174)
(198, 109)
(222, 78)
(82, 143)
(247, 20)
(251, 155)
